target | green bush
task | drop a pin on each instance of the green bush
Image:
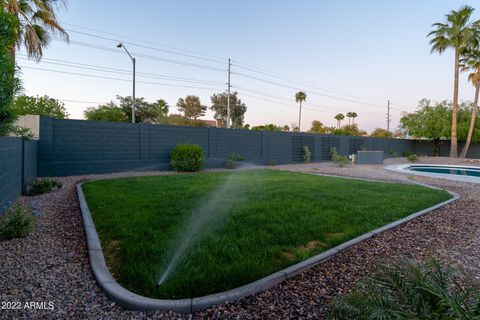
(306, 154)
(271, 162)
(339, 160)
(232, 159)
(406, 153)
(187, 157)
(15, 223)
(412, 157)
(405, 290)
(42, 186)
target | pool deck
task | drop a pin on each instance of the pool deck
(52, 263)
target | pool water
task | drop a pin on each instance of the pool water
(459, 171)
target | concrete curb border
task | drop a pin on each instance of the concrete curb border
(134, 301)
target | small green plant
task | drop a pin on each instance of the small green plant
(15, 223)
(232, 159)
(42, 186)
(406, 153)
(187, 157)
(339, 160)
(406, 290)
(271, 162)
(306, 154)
(412, 157)
(392, 153)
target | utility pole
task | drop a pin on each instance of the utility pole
(121, 45)
(228, 95)
(388, 115)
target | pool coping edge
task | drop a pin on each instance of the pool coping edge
(134, 301)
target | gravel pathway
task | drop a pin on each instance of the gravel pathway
(51, 265)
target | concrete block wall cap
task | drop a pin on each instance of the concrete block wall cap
(134, 301)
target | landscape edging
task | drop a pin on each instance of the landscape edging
(134, 301)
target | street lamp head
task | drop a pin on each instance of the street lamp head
(119, 45)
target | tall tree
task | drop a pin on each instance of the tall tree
(300, 97)
(472, 62)
(429, 121)
(8, 27)
(191, 107)
(106, 112)
(353, 115)
(145, 111)
(339, 117)
(458, 33)
(237, 109)
(38, 22)
(43, 106)
(349, 116)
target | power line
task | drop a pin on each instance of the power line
(84, 66)
(178, 62)
(118, 79)
(147, 47)
(303, 83)
(297, 88)
(143, 41)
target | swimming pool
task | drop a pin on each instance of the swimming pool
(450, 172)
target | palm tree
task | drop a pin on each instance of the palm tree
(300, 96)
(457, 32)
(339, 117)
(472, 62)
(38, 23)
(354, 115)
(349, 116)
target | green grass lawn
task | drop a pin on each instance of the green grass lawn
(249, 225)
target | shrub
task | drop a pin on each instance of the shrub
(42, 186)
(406, 153)
(306, 154)
(392, 153)
(15, 223)
(412, 157)
(405, 290)
(187, 157)
(271, 162)
(232, 159)
(338, 159)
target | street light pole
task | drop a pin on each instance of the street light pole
(121, 45)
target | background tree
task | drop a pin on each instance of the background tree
(237, 109)
(106, 112)
(472, 62)
(353, 115)
(268, 127)
(43, 106)
(8, 27)
(191, 107)
(350, 130)
(349, 116)
(37, 21)
(286, 128)
(318, 127)
(429, 121)
(300, 97)
(145, 111)
(458, 32)
(339, 117)
(180, 120)
(381, 133)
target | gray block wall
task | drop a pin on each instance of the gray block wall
(18, 168)
(75, 147)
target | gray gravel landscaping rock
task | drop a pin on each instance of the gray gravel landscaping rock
(51, 264)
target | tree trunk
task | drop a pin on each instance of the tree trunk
(300, 116)
(453, 146)
(463, 154)
(437, 147)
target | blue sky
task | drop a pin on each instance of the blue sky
(347, 55)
